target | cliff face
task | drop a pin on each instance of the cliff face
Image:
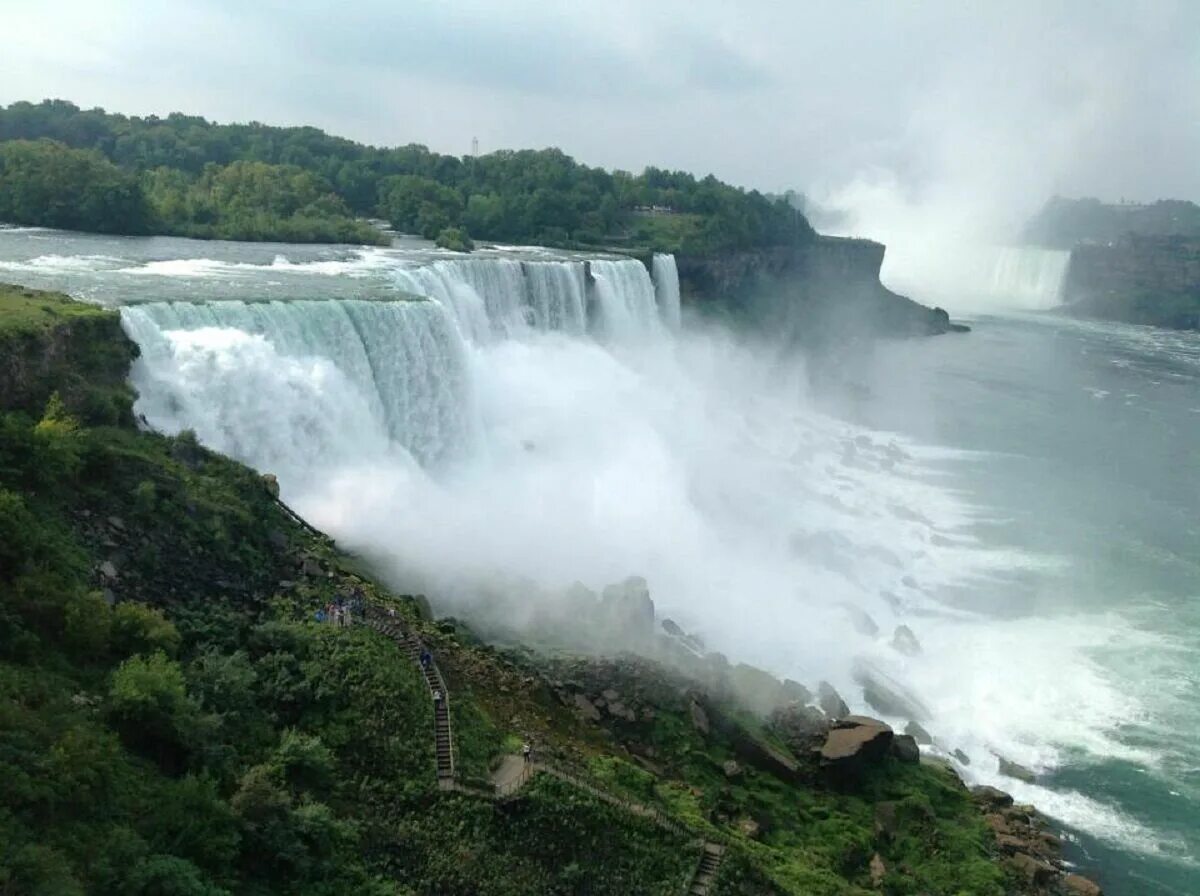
(828, 288)
(1138, 279)
(50, 343)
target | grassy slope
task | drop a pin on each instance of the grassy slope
(204, 736)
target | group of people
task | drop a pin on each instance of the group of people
(342, 611)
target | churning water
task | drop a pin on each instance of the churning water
(1023, 498)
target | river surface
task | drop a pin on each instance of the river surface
(1025, 498)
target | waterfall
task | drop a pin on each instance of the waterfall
(296, 386)
(1032, 278)
(625, 300)
(666, 288)
(376, 371)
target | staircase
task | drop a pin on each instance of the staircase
(442, 737)
(706, 871)
(711, 854)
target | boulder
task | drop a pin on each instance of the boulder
(991, 796)
(628, 608)
(799, 727)
(749, 827)
(1034, 871)
(108, 570)
(862, 621)
(918, 733)
(585, 708)
(1080, 886)
(796, 692)
(831, 701)
(904, 747)
(905, 641)
(669, 626)
(962, 757)
(758, 691)
(699, 717)
(271, 483)
(856, 740)
(1013, 770)
(731, 768)
(887, 696)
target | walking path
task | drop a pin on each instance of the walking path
(514, 771)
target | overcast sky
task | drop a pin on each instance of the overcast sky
(993, 103)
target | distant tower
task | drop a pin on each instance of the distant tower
(475, 146)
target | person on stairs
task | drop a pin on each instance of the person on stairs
(437, 697)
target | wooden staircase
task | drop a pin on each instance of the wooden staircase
(706, 871)
(442, 736)
(711, 853)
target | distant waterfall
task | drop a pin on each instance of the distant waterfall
(666, 288)
(1029, 277)
(336, 378)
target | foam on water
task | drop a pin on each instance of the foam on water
(537, 422)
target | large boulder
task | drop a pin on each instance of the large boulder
(801, 728)
(904, 748)
(628, 609)
(856, 741)
(918, 733)
(831, 701)
(1011, 769)
(887, 696)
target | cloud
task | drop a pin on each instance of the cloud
(992, 105)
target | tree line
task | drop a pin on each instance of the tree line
(183, 174)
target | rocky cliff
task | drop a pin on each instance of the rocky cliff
(1138, 279)
(829, 287)
(50, 343)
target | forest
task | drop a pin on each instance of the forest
(187, 176)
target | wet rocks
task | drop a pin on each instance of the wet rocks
(991, 797)
(586, 708)
(831, 701)
(904, 747)
(1075, 885)
(856, 741)
(904, 641)
(1011, 769)
(800, 727)
(888, 697)
(862, 621)
(699, 717)
(918, 733)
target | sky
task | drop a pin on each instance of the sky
(892, 108)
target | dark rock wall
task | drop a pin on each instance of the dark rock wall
(1144, 280)
(828, 288)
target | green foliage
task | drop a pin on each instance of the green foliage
(137, 628)
(250, 200)
(46, 184)
(455, 239)
(198, 184)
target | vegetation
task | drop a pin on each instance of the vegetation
(1063, 223)
(45, 183)
(173, 720)
(534, 196)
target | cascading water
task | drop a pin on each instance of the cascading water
(625, 299)
(402, 362)
(533, 423)
(666, 288)
(1029, 277)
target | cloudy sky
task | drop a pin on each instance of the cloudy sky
(898, 104)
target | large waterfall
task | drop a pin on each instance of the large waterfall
(1028, 276)
(296, 385)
